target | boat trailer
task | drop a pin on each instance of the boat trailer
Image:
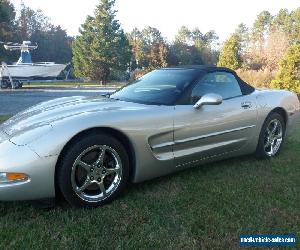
(6, 80)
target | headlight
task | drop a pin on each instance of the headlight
(28, 136)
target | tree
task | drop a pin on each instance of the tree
(31, 21)
(183, 36)
(230, 55)
(193, 47)
(136, 42)
(261, 26)
(102, 45)
(184, 47)
(54, 45)
(149, 48)
(155, 48)
(7, 12)
(7, 28)
(295, 34)
(53, 42)
(288, 76)
(275, 48)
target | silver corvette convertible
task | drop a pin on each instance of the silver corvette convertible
(88, 149)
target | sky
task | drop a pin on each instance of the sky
(223, 16)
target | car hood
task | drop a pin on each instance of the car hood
(55, 110)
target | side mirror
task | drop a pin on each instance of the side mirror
(209, 99)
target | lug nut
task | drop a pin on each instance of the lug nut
(91, 178)
(92, 169)
(104, 172)
(99, 180)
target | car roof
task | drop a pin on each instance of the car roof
(208, 68)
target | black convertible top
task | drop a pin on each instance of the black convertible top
(245, 87)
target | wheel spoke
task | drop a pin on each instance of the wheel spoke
(275, 127)
(101, 156)
(85, 185)
(278, 137)
(110, 171)
(268, 144)
(272, 149)
(86, 166)
(102, 188)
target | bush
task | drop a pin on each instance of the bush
(288, 76)
(138, 73)
(119, 75)
(257, 78)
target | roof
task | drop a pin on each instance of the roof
(245, 87)
(201, 67)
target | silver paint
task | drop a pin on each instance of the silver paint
(165, 139)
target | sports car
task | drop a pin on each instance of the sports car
(89, 149)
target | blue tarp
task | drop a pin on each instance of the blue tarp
(25, 57)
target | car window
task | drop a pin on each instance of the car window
(222, 83)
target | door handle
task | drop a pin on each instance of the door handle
(246, 105)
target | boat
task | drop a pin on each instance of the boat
(25, 69)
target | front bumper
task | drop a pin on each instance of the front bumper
(41, 171)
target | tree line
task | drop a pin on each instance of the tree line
(268, 53)
(265, 54)
(103, 49)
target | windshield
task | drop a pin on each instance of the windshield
(159, 87)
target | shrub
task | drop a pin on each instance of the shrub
(288, 76)
(229, 56)
(257, 78)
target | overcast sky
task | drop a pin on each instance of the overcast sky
(223, 16)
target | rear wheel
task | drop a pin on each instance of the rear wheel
(271, 136)
(18, 84)
(5, 84)
(94, 171)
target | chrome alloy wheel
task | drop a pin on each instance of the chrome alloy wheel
(96, 173)
(273, 137)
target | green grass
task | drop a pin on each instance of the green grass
(202, 208)
(3, 118)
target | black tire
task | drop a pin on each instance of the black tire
(18, 84)
(74, 150)
(260, 150)
(5, 84)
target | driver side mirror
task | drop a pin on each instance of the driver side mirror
(208, 99)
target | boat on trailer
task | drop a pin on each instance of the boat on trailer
(24, 69)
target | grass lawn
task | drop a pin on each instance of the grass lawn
(206, 207)
(3, 118)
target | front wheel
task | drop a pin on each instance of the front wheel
(271, 136)
(94, 171)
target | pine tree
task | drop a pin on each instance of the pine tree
(230, 56)
(288, 76)
(102, 45)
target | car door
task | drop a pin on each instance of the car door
(213, 130)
